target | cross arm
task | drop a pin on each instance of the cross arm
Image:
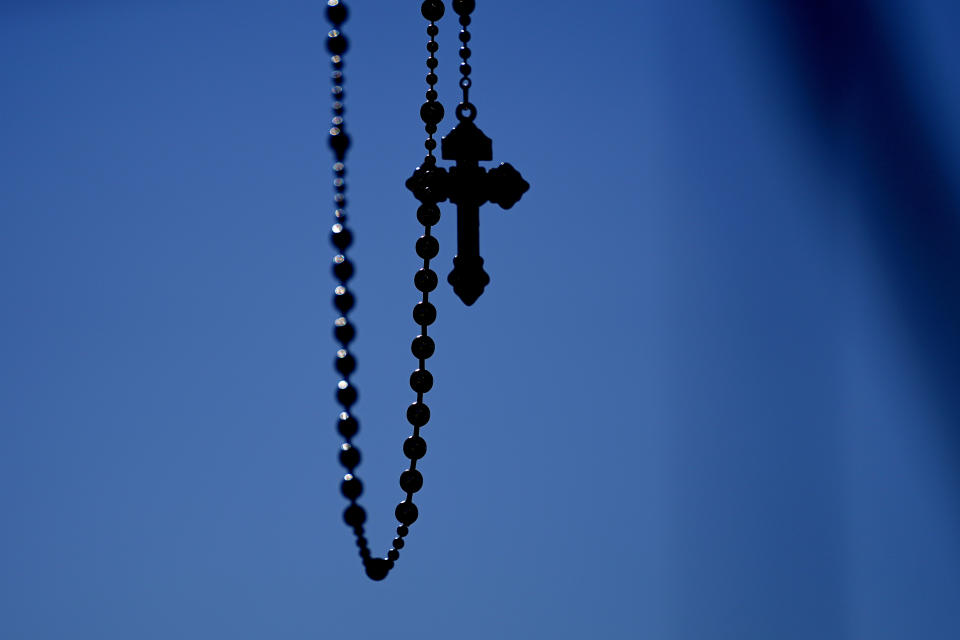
(429, 183)
(505, 186)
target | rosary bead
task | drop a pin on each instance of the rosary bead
(464, 7)
(428, 215)
(427, 247)
(432, 46)
(464, 36)
(342, 268)
(432, 95)
(425, 280)
(347, 425)
(403, 531)
(431, 128)
(423, 347)
(432, 79)
(377, 568)
(349, 456)
(432, 10)
(432, 63)
(424, 313)
(465, 68)
(341, 237)
(431, 112)
(336, 43)
(346, 394)
(339, 142)
(351, 487)
(406, 513)
(414, 448)
(336, 12)
(393, 555)
(465, 52)
(343, 299)
(343, 331)
(345, 363)
(421, 381)
(355, 516)
(418, 414)
(411, 481)
(433, 30)
(430, 144)
(465, 21)
(398, 543)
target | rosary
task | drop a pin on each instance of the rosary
(467, 185)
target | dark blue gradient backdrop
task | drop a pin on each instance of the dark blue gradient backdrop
(711, 391)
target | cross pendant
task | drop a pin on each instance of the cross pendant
(468, 185)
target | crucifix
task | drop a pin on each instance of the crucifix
(467, 185)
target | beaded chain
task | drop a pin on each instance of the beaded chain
(425, 280)
(465, 110)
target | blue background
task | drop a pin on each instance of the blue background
(710, 392)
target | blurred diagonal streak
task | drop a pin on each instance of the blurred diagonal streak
(854, 70)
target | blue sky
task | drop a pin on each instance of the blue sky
(691, 404)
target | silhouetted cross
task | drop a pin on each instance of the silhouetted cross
(468, 185)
